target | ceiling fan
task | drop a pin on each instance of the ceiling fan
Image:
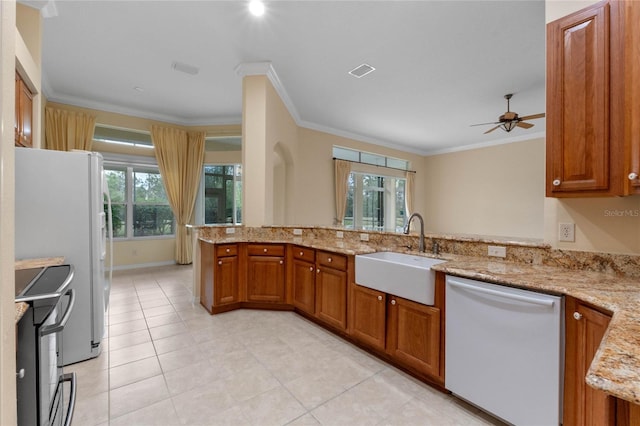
(510, 120)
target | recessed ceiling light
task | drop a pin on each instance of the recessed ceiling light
(185, 68)
(256, 7)
(138, 89)
(361, 70)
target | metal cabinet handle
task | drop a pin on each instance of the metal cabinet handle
(556, 182)
(393, 302)
(633, 176)
(379, 297)
(577, 316)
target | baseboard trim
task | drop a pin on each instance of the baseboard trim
(144, 265)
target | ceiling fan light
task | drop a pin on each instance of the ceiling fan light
(509, 125)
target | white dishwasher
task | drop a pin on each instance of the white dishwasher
(504, 350)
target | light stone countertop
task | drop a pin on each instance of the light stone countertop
(616, 365)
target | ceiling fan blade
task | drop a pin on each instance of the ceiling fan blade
(484, 124)
(533, 117)
(524, 125)
(491, 130)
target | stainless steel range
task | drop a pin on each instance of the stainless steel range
(40, 378)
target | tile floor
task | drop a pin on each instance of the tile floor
(167, 361)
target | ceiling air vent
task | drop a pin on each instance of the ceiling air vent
(185, 68)
(361, 70)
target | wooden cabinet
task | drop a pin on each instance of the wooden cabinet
(584, 329)
(225, 276)
(368, 316)
(331, 289)
(303, 279)
(414, 335)
(592, 95)
(23, 113)
(410, 333)
(265, 273)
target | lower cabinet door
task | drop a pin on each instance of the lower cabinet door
(367, 321)
(413, 335)
(265, 279)
(304, 286)
(331, 297)
(225, 281)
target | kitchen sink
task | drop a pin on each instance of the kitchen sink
(403, 275)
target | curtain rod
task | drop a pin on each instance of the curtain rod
(376, 165)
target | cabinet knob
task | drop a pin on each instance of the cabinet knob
(329, 260)
(228, 250)
(556, 182)
(265, 250)
(219, 262)
(282, 262)
(379, 297)
(301, 253)
(311, 268)
(633, 176)
(393, 302)
(318, 271)
(577, 316)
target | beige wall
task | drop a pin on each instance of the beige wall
(143, 252)
(497, 190)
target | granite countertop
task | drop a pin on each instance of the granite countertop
(616, 366)
(21, 307)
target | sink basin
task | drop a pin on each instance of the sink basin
(403, 275)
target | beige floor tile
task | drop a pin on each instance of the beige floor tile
(117, 308)
(137, 395)
(164, 319)
(91, 382)
(173, 343)
(201, 405)
(305, 420)
(127, 327)
(159, 310)
(274, 407)
(131, 353)
(167, 330)
(133, 372)
(248, 383)
(193, 375)
(125, 317)
(129, 339)
(159, 414)
(313, 390)
(381, 395)
(154, 303)
(91, 410)
(346, 409)
(177, 359)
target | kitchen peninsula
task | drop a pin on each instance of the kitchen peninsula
(605, 282)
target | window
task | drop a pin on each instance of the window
(369, 158)
(375, 202)
(139, 204)
(222, 186)
(122, 136)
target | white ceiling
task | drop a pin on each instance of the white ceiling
(440, 65)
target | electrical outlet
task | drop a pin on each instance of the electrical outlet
(230, 230)
(297, 231)
(364, 237)
(339, 234)
(567, 232)
(497, 251)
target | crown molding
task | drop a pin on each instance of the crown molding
(521, 138)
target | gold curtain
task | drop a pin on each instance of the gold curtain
(408, 192)
(180, 157)
(66, 130)
(342, 171)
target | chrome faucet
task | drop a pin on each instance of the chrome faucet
(406, 230)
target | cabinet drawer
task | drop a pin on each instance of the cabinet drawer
(265, 250)
(332, 260)
(223, 250)
(304, 253)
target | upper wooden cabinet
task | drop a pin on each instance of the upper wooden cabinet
(593, 98)
(23, 114)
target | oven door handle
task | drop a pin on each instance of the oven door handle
(54, 328)
(70, 377)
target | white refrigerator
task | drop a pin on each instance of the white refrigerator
(59, 211)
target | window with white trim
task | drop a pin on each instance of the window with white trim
(222, 194)
(139, 203)
(375, 202)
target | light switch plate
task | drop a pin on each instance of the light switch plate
(297, 231)
(339, 234)
(230, 230)
(364, 237)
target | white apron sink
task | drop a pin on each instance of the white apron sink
(403, 275)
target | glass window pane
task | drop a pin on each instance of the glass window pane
(148, 187)
(149, 220)
(346, 154)
(397, 164)
(377, 160)
(119, 219)
(117, 184)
